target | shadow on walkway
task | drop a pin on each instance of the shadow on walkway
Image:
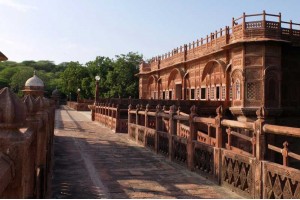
(90, 161)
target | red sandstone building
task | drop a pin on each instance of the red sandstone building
(251, 64)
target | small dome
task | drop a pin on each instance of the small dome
(55, 92)
(34, 81)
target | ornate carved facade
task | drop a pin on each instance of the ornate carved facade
(251, 64)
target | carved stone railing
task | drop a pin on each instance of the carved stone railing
(26, 137)
(111, 116)
(79, 106)
(243, 136)
(215, 156)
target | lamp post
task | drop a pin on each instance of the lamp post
(97, 88)
(78, 95)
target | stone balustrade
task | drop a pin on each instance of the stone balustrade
(232, 153)
(243, 28)
(26, 138)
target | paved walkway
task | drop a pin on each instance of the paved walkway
(90, 161)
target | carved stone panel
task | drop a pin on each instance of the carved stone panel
(238, 173)
(253, 61)
(280, 182)
(254, 49)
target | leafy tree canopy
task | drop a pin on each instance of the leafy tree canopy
(117, 76)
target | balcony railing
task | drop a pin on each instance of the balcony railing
(257, 26)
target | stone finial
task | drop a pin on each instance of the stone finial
(261, 113)
(285, 145)
(30, 104)
(219, 111)
(173, 109)
(137, 106)
(178, 109)
(129, 107)
(147, 107)
(39, 103)
(158, 108)
(12, 110)
(193, 109)
(164, 108)
(46, 102)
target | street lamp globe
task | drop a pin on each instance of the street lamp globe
(78, 90)
(97, 78)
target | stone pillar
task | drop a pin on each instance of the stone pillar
(259, 142)
(261, 147)
(137, 120)
(192, 136)
(158, 121)
(118, 124)
(172, 130)
(13, 143)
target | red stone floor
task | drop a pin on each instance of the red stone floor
(90, 161)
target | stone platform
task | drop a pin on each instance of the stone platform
(90, 161)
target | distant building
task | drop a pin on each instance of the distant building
(2, 57)
(251, 64)
(34, 86)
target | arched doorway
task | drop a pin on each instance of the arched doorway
(152, 91)
(213, 81)
(175, 85)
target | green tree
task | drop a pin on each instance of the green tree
(72, 77)
(100, 66)
(19, 78)
(122, 80)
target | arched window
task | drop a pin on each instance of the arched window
(237, 90)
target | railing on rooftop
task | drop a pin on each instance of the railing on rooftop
(259, 26)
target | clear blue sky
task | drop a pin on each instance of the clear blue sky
(80, 30)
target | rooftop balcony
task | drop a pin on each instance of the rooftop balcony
(247, 28)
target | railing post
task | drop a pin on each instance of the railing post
(291, 27)
(157, 126)
(191, 138)
(279, 21)
(228, 131)
(259, 150)
(285, 152)
(177, 121)
(227, 35)
(172, 129)
(146, 116)
(264, 20)
(118, 124)
(219, 139)
(260, 138)
(185, 51)
(93, 111)
(129, 120)
(146, 123)
(244, 22)
(137, 120)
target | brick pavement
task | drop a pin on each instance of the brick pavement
(90, 161)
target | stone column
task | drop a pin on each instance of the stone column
(158, 121)
(192, 136)
(172, 130)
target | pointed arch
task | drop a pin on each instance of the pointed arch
(175, 75)
(210, 65)
(152, 86)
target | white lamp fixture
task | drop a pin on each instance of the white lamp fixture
(78, 90)
(97, 78)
